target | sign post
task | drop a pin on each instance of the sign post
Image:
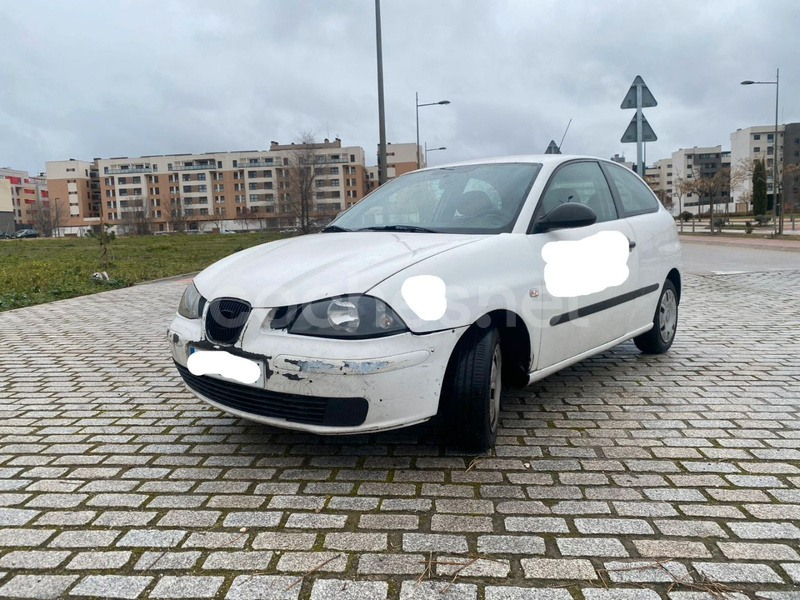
(639, 130)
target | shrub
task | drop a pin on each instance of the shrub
(686, 216)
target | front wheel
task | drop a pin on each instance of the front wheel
(665, 322)
(471, 392)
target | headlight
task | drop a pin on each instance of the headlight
(192, 303)
(351, 317)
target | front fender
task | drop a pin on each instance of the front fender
(496, 273)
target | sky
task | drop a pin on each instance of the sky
(104, 78)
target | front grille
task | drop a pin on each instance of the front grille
(331, 412)
(225, 319)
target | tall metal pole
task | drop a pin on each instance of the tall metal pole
(417, 146)
(381, 115)
(777, 212)
(639, 163)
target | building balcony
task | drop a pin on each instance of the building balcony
(110, 171)
(255, 165)
(194, 167)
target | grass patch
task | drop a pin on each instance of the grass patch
(42, 270)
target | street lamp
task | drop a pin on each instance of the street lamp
(777, 214)
(425, 104)
(431, 150)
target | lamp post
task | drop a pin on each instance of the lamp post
(382, 170)
(777, 213)
(425, 104)
(431, 150)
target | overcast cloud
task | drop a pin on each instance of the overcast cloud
(85, 79)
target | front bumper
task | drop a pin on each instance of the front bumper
(322, 385)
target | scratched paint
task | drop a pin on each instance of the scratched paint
(587, 266)
(203, 362)
(426, 296)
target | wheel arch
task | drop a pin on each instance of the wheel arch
(515, 344)
(675, 277)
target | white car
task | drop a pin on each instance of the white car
(431, 294)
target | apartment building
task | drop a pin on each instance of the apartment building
(752, 143)
(25, 196)
(400, 159)
(7, 213)
(232, 190)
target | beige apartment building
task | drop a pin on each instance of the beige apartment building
(400, 159)
(24, 196)
(217, 190)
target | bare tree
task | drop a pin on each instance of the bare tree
(177, 217)
(49, 217)
(708, 184)
(303, 169)
(136, 216)
(661, 194)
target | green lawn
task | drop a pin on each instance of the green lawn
(42, 270)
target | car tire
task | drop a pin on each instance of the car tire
(665, 323)
(471, 394)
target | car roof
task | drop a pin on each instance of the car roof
(543, 159)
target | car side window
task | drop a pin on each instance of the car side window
(634, 194)
(584, 183)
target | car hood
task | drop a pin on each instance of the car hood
(312, 267)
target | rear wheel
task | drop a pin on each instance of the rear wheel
(471, 393)
(665, 322)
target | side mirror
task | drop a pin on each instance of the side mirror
(566, 216)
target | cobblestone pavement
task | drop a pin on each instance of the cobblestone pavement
(626, 477)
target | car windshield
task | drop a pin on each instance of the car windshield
(483, 198)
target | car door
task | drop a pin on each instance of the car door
(590, 273)
(640, 208)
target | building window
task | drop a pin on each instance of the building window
(253, 197)
(757, 136)
(253, 186)
(757, 149)
(770, 137)
(203, 211)
(252, 173)
(268, 173)
(201, 177)
(187, 189)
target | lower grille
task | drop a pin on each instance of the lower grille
(330, 412)
(225, 320)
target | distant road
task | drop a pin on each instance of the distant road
(726, 255)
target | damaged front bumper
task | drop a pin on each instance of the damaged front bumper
(320, 385)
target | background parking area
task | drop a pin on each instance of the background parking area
(627, 476)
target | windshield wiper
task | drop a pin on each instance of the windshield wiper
(331, 228)
(409, 228)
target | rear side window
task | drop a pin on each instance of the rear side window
(634, 194)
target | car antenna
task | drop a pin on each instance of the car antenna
(563, 136)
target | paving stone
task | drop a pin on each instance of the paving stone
(263, 587)
(216, 539)
(356, 541)
(115, 518)
(557, 568)
(430, 590)
(765, 531)
(16, 516)
(613, 526)
(671, 549)
(591, 547)
(111, 586)
(252, 519)
(301, 562)
(33, 559)
(315, 521)
(430, 542)
(737, 572)
(536, 524)
(187, 586)
(238, 561)
(598, 594)
(271, 540)
(164, 561)
(510, 544)
(521, 593)
(450, 566)
(152, 538)
(647, 572)
(690, 528)
(24, 537)
(452, 523)
(391, 564)
(99, 560)
(792, 570)
(409, 522)
(86, 538)
(327, 589)
(41, 587)
(749, 551)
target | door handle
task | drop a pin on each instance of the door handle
(631, 245)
